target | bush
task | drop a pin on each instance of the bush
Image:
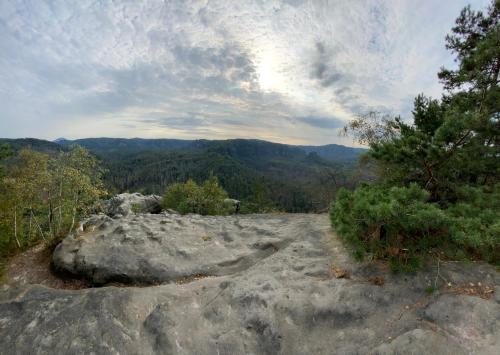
(387, 222)
(207, 199)
(475, 222)
(400, 225)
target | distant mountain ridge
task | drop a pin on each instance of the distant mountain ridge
(331, 152)
(36, 144)
(334, 151)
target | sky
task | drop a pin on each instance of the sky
(287, 71)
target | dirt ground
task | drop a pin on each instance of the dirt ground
(34, 267)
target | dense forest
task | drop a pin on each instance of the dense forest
(438, 190)
(265, 174)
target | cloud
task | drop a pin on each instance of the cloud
(323, 70)
(321, 122)
(175, 122)
(290, 71)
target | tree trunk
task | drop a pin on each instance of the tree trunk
(15, 227)
(74, 213)
(38, 225)
(29, 232)
(60, 208)
(50, 216)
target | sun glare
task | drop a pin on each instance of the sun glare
(266, 76)
(269, 77)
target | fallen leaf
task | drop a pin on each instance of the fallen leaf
(340, 273)
(377, 280)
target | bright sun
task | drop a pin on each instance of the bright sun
(266, 76)
(269, 77)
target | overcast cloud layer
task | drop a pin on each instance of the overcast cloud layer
(287, 71)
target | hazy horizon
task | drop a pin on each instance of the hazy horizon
(353, 145)
(283, 71)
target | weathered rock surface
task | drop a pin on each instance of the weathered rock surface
(152, 249)
(126, 203)
(268, 287)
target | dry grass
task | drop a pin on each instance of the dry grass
(471, 289)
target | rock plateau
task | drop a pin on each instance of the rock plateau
(244, 284)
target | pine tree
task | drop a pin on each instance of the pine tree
(450, 153)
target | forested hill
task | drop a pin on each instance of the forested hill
(334, 152)
(286, 177)
(331, 152)
(39, 145)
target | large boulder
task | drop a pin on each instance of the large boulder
(127, 203)
(151, 249)
(267, 284)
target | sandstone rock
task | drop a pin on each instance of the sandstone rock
(126, 203)
(151, 249)
(420, 341)
(253, 284)
(471, 319)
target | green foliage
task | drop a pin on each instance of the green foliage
(43, 196)
(207, 199)
(430, 290)
(212, 198)
(376, 219)
(182, 197)
(290, 178)
(475, 222)
(259, 201)
(5, 151)
(438, 177)
(136, 208)
(399, 224)
(40, 145)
